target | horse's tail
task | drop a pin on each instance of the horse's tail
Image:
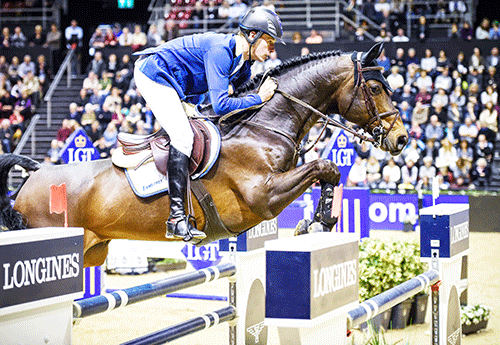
(9, 218)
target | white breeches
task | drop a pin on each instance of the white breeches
(167, 109)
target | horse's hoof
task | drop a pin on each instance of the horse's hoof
(317, 227)
(302, 227)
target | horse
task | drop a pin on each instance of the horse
(256, 175)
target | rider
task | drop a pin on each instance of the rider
(190, 66)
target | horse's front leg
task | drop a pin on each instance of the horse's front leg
(286, 187)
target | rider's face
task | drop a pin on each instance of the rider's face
(263, 48)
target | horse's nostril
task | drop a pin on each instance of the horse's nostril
(402, 141)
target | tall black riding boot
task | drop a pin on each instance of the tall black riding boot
(178, 224)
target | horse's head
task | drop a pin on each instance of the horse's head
(365, 100)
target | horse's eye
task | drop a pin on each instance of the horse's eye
(375, 90)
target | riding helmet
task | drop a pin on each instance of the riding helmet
(263, 20)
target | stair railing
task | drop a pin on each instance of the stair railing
(66, 66)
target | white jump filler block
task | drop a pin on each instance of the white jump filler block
(311, 284)
(41, 273)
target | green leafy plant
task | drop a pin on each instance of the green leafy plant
(385, 264)
(473, 314)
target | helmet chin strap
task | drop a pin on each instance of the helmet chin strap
(251, 42)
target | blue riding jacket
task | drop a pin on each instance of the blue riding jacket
(198, 63)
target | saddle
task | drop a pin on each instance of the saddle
(156, 146)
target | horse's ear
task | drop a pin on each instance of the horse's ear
(372, 54)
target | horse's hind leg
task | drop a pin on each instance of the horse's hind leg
(95, 250)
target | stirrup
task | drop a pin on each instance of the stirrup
(188, 234)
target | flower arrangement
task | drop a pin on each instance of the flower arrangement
(474, 314)
(385, 264)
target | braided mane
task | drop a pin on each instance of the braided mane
(284, 67)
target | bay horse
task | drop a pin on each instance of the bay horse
(256, 175)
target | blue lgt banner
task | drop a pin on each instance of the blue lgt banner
(341, 151)
(78, 148)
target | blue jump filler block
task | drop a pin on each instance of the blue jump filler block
(311, 284)
(444, 230)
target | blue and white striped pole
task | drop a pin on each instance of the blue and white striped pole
(388, 299)
(121, 298)
(185, 328)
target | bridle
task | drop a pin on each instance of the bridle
(378, 133)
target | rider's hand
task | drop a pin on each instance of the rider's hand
(267, 88)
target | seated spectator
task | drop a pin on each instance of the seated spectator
(224, 10)
(471, 110)
(392, 170)
(126, 67)
(53, 40)
(455, 113)
(42, 72)
(314, 38)
(74, 113)
(440, 98)
(141, 128)
(114, 99)
(38, 38)
(24, 106)
(110, 135)
(153, 37)
(491, 78)
(454, 33)
(424, 82)
(468, 131)
(399, 60)
(6, 38)
(494, 31)
(444, 81)
(97, 65)
(213, 15)
(273, 61)
(493, 59)
(405, 111)
(466, 33)
(409, 172)
(434, 129)
(458, 97)
(439, 110)
(6, 103)
(489, 95)
(416, 130)
(373, 172)
(112, 65)
(420, 114)
(407, 95)
(477, 61)
(357, 174)
(17, 124)
(4, 67)
(16, 90)
(53, 153)
(32, 87)
(383, 36)
(483, 30)
(102, 147)
(464, 151)
(483, 148)
(97, 41)
(431, 148)
(105, 84)
(110, 39)
(384, 61)
(480, 174)
(6, 134)
(88, 117)
(395, 79)
(400, 37)
(451, 132)
(445, 177)
(412, 59)
(104, 116)
(296, 37)
(26, 66)
(461, 64)
(424, 184)
(91, 82)
(95, 131)
(447, 156)
(125, 38)
(139, 39)
(428, 63)
(172, 30)
(488, 133)
(427, 170)
(18, 40)
(412, 151)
